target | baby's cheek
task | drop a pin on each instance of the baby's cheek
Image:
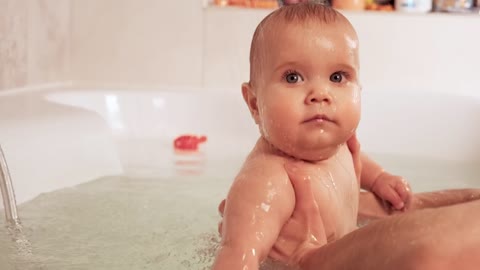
(264, 120)
(352, 117)
(356, 96)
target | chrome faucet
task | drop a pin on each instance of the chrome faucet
(8, 195)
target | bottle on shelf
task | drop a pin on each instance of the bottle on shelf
(414, 6)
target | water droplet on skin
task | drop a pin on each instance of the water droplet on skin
(259, 236)
(356, 95)
(265, 207)
(352, 42)
(270, 194)
(324, 42)
(331, 180)
(352, 174)
(326, 184)
(253, 221)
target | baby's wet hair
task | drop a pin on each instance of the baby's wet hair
(296, 13)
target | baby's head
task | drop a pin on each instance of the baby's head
(304, 90)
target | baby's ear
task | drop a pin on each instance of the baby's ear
(251, 100)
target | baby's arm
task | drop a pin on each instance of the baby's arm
(259, 203)
(372, 177)
(366, 169)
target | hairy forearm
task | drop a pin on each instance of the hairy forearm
(424, 239)
(372, 208)
(444, 198)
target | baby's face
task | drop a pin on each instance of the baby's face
(308, 93)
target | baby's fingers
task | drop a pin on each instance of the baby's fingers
(392, 196)
(404, 191)
(221, 207)
(220, 227)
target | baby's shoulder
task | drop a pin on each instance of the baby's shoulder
(266, 164)
(266, 169)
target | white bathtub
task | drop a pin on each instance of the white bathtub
(54, 138)
(58, 138)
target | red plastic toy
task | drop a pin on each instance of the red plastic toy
(188, 142)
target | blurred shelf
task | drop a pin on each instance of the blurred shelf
(475, 13)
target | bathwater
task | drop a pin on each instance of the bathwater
(146, 220)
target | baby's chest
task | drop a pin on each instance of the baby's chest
(336, 192)
(337, 175)
(336, 185)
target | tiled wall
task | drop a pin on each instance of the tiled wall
(119, 42)
(34, 42)
(13, 49)
(150, 43)
(48, 41)
(137, 42)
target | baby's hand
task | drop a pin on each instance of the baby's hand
(393, 189)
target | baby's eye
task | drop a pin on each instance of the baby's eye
(292, 77)
(337, 77)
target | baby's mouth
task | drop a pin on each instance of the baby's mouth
(319, 118)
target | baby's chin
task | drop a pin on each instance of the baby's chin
(307, 151)
(313, 147)
(317, 154)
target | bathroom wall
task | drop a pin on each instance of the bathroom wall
(399, 52)
(108, 42)
(137, 42)
(13, 49)
(150, 43)
(34, 42)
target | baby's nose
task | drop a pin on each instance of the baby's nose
(322, 99)
(319, 96)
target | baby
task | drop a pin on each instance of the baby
(304, 95)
